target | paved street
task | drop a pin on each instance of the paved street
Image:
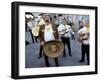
(32, 52)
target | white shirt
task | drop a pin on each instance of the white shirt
(48, 33)
(84, 31)
(67, 30)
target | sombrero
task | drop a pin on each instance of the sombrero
(53, 48)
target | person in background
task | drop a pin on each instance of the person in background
(65, 32)
(41, 22)
(83, 37)
(73, 31)
(81, 24)
(71, 24)
(60, 18)
(29, 20)
(41, 18)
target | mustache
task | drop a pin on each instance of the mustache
(46, 20)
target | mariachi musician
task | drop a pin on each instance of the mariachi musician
(83, 37)
(48, 32)
(65, 33)
(29, 19)
(35, 32)
(41, 21)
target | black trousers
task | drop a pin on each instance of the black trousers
(41, 51)
(66, 41)
(36, 38)
(31, 35)
(47, 61)
(46, 58)
(85, 50)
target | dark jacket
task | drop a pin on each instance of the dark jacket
(41, 33)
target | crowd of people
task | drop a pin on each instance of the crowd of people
(46, 30)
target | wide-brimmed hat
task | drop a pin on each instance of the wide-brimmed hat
(53, 48)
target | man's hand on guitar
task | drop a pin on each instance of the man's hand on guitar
(85, 37)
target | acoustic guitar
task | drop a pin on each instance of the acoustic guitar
(81, 37)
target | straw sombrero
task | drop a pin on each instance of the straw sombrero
(53, 48)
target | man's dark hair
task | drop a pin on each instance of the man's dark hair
(60, 15)
(29, 13)
(41, 14)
